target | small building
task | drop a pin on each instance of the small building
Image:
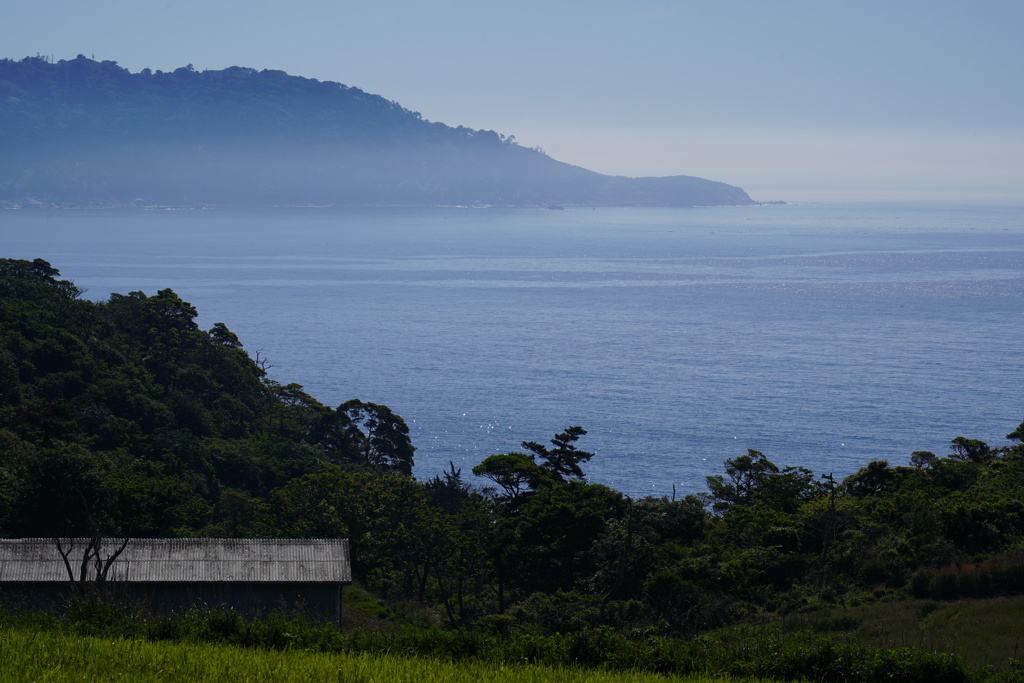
(253, 576)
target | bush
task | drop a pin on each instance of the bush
(995, 576)
(768, 652)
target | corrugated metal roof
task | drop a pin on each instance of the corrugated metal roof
(184, 560)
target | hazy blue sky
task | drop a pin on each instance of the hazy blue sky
(788, 99)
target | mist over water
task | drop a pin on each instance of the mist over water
(823, 335)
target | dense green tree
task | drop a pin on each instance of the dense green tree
(871, 480)
(513, 472)
(59, 490)
(971, 449)
(1017, 435)
(449, 490)
(381, 437)
(744, 478)
(922, 458)
(518, 472)
(563, 460)
(365, 434)
(552, 532)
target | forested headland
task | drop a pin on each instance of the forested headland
(85, 133)
(123, 418)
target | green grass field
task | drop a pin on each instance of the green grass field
(27, 655)
(982, 632)
(898, 641)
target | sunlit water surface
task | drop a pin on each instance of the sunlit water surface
(824, 335)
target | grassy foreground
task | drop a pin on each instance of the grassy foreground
(27, 655)
(983, 633)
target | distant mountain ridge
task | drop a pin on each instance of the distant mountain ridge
(82, 132)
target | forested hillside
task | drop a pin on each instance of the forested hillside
(122, 417)
(81, 132)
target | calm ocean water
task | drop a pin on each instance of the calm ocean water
(825, 335)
